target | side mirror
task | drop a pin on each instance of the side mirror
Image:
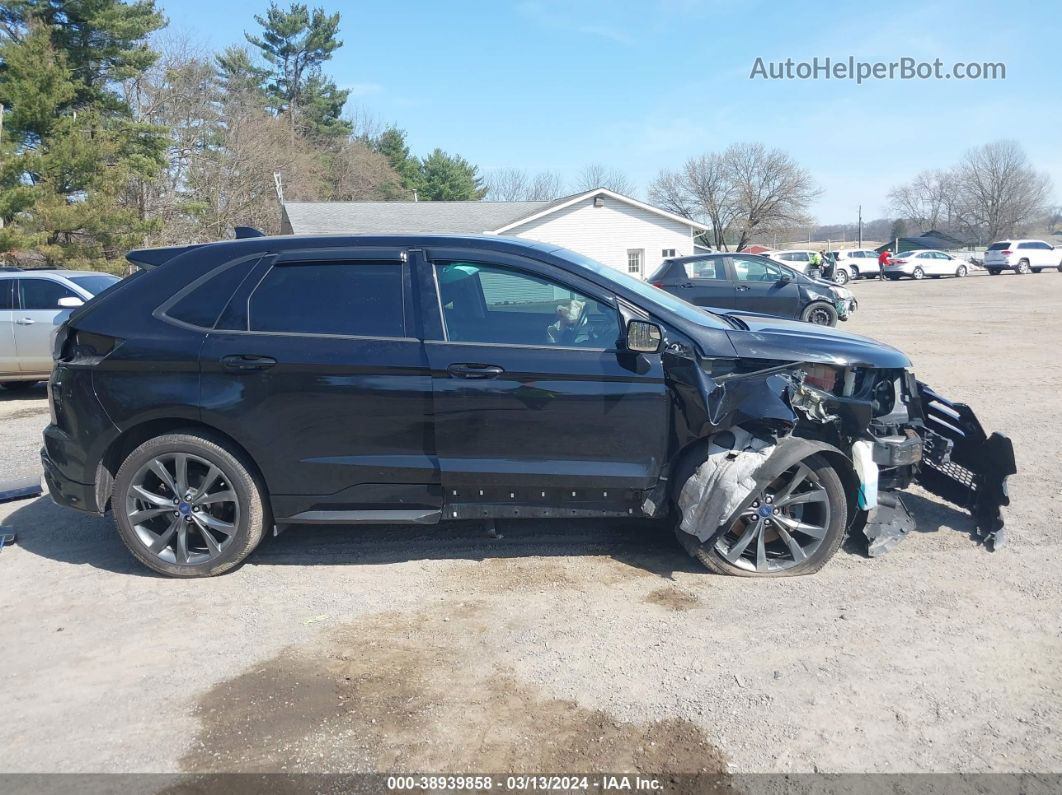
(644, 337)
(70, 302)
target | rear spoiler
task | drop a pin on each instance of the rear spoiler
(149, 258)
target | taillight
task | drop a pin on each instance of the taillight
(83, 347)
(897, 262)
(658, 284)
(1006, 253)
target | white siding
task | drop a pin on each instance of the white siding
(607, 233)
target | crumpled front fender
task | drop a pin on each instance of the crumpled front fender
(963, 465)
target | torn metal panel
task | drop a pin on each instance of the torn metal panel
(963, 465)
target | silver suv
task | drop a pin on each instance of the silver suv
(32, 303)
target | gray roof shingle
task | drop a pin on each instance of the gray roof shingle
(406, 217)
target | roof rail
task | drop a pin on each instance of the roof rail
(244, 232)
(10, 269)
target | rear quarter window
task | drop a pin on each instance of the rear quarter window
(202, 305)
(355, 299)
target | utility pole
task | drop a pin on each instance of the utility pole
(860, 244)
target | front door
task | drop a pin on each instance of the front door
(534, 399)
(761, 287)
(8, 358)
(35, 318)
(315, 369)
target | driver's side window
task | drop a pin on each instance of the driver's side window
(748, 269)
(497, 304)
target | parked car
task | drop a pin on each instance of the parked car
(926, 262)
(237, 387)
(755, 284)
(854, 263)
(796, 259)
(32, 304)
(1021, 256)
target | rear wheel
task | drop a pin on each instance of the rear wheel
(821, 314)
(1023, 266)
(793, 526)
(18, 386)
(918, 273)
(960, 271)
(995, 271)
(188, 506)
(840, 276)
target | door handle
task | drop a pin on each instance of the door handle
(470, 370)
(743, 287)
(686, 284)
(25, 321)
(245, 362)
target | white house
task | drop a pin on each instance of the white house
(614, 229)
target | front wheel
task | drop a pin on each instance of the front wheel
(960, 271)
(792, 527)
(1037, 270)
(918, 273)
(187, 505)
(820, 314)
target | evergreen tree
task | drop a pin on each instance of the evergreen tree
(240, 78)
(71, 149)
(391, 143)
(446, 177)
(295, 43)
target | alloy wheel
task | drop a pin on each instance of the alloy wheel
(840, 276)
(918, 273)
(783, 526)
(182, 509)
(960, 271)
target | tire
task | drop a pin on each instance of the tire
(893, 277)
(820, 314)
(840, 276)
(1023, 266)
(960, 271)
(1037, 270)
(239, 523)
(918, 273)
(18, 386)
(713, 554)
(995, 271)
(1060, 268)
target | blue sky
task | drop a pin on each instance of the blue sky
(640, 86)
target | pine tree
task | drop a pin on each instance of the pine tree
(391, 143)
(71, 150)
(446, 177)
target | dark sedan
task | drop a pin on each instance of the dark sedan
(752, 283)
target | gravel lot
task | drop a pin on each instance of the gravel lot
(568, 646)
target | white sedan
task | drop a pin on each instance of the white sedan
(926, 262)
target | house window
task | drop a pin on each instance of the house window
(634, 260)
(667, 252)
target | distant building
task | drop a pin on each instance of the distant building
(617, 230)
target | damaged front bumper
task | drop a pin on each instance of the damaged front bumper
(963, 465)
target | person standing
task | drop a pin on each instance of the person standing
(883, 258)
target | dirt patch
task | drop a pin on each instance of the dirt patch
(673, 599)
(22, 414)
(417, 693)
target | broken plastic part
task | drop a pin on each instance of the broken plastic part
(867, 471)
(887, 525)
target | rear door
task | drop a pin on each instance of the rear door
(34, 320)
(534, 400)
(761, 287)
(315, 368)
(705, 283)
(8, 359)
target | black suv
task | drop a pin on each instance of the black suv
(755, 284)
(228, 389)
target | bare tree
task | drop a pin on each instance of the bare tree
(596, 175)
(769, 190)
(514, 185)
(999, 192)
(928, 201)
(743, 190)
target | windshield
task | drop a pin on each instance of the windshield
(652, 294)
(95, 283)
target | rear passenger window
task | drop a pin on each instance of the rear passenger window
(705, 269)
(203, 304)
(357, 299)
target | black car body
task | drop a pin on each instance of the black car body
(231, 387)
(753, 283)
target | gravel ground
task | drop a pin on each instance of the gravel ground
(568, 646)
